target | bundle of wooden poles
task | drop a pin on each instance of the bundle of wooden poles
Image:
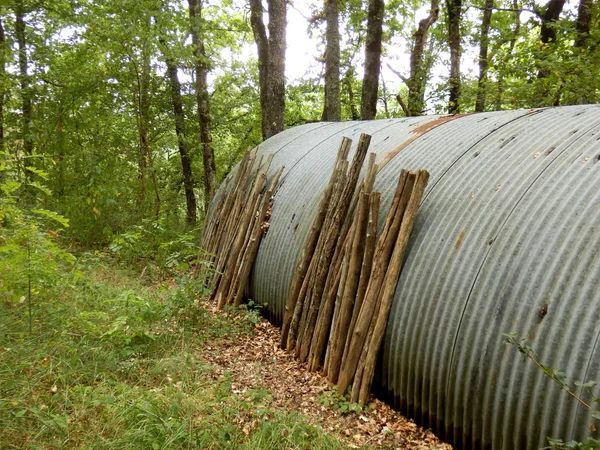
(238, 222)
(342, 289)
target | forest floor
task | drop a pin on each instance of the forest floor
(119, 360)
(255, 360)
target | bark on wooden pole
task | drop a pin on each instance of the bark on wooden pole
(249, 255)
(391, 280)
(331, 240)
(358, 334)
(309, 246)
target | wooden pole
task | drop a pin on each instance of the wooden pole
(238, 244)
(333, 291)
(296, 317)
(372, 249)
(304, 303)
(349, 292)
(358, 335)
(309, 246)
(391, 281)
(247, 259)
(330, 242)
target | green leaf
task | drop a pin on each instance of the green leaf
(52, 215)
(41, 187)
(40, 173)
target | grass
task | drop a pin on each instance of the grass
(116, 364)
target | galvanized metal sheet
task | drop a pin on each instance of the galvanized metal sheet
(510, 222)
(295, 204)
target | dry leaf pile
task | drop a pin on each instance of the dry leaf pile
(256, 361)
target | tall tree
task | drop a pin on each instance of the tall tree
(333, 107)
(549, 18)
(2, 82)
(420, 67)
(203, 100)
(178, 113)
(453, 10)
(584, 20)
(368, 107)
(271, 62)
(514, 34)
(484, 42)
(26, 106)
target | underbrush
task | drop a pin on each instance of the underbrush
(111, 362)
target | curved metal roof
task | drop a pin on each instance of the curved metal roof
(510, 222)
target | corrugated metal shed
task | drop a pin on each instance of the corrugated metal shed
(510, 222)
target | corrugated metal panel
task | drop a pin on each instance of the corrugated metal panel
(299, 194)
(510, 222)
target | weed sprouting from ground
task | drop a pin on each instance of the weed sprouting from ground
(113, 363)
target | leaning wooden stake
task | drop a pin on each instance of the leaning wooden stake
(223, 284)
(330, 243)
(303, 302)
(354, 249)
(391, 280)
(347, 301)
(333, 290)
(309, 246)
(247, 259)
(358, 335)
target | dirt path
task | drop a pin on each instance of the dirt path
(256, 361)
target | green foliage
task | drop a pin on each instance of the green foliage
(117, 364)
(340, 403)
(158, 244)
(31, 259)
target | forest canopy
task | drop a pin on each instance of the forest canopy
(116, 114)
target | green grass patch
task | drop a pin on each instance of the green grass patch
(112, 363)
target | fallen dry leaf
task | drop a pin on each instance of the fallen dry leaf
(257, 361)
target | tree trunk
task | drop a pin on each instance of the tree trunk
(2, 83)
(348, 79)
(454, 13)
(513, 41)
(186, 162)
(551, 15)
(368, 108)
(419, 71)
(203, 100)
(584, 19)
(483, 56)
(271, 63)
(332, 63)
(24, 80)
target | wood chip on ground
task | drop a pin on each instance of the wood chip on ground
(256, 360)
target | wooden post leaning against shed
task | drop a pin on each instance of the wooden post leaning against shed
(229, 210)
(309, 246)
(394, 231)
(389, 287)
(296, 316)
(338, 295)
(225, 267)
(331, 240)
(303, 303)
(346, 303)
(226, 235)
(249, 255)
(336, 280)
(371, 250)
(210, 227)
(350, 243)
(238, 235)
(343, 333)
(385, 245)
